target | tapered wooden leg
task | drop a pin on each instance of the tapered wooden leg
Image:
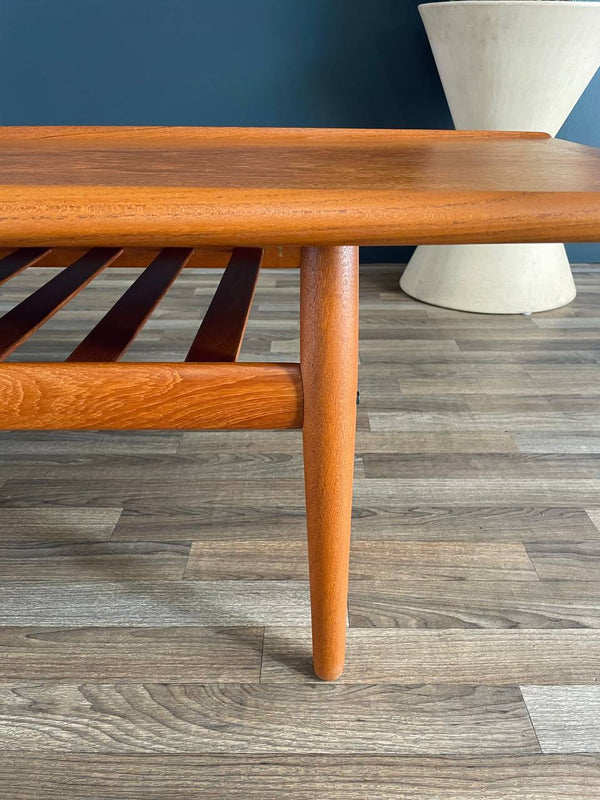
(329, 367)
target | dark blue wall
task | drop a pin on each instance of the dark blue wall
(361, 63)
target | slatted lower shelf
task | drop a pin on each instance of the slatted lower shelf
(91, 391)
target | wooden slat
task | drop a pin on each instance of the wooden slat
(203, 258)
(111, 337)
(16, 262)
(24, 319)
(220, 335)
(45, 396)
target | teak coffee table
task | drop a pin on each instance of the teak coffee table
(186, 196)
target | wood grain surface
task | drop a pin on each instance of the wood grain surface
(156, 602)
(476, 604)
(165, 677)
(13, 263)
(221, 333)
(162, 395)
(137, 257)
(492, 657)
(55, 524)
(566, 718)
(359, 777)
(101, 561)
(23, 320)
(329, 366)
(252, 187)
(189, 653)
(109, 339)
(389, 560)
(257, 718)
(576, 561)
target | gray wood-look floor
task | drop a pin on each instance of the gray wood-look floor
(154, 616)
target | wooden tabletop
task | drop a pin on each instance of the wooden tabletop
(256, 187)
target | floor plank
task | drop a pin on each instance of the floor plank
(509, 465)
(55, 524)
(184, 518)
(497, 522)
(484, 490)
(188, 653)
(98, 561)
(557, 441)
(66, 443)
(261, 777)
(475, 604)
(486, 657)
(566, 718)
(506, 421)
(184, 468)
(435, 442)
(254, 718)
(594, 515)
(222, 443)
(150, 603)
(573, 561)
(369, 560)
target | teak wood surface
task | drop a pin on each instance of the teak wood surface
(325, 191)
(111, 337)
(149, 396)
(256, 187)
(329, 365)
(139, 257)
(220, 336)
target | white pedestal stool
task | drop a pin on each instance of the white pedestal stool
(519, 65)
